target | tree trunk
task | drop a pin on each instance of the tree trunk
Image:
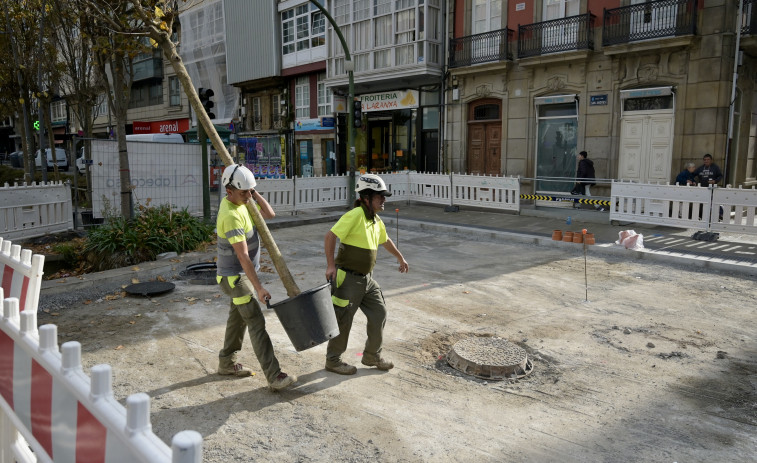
(169, 50)
(121, 106)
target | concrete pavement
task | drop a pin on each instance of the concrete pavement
(731, 253)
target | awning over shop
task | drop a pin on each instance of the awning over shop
(223, 132)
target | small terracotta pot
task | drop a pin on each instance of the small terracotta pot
(589, 240)
(567, 236)
(578, 237)
(557, 235)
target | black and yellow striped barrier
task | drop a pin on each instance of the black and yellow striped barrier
(570, 199)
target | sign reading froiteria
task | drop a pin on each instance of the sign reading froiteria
(387, 101)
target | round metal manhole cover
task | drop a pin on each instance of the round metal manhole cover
(150, 288)
(489, 358)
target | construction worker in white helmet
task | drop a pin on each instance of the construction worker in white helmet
(237, 267)
(360, 232)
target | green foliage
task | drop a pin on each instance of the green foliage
(154, 230)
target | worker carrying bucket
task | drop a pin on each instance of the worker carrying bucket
(360, 232)
(238, 264)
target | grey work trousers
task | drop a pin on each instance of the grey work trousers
(350, 292)
(246, 315)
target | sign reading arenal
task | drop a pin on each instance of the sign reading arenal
(388, 101)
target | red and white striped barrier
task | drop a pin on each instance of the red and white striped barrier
(21, 274)
(50, 411)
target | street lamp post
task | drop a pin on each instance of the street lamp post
(349, 66)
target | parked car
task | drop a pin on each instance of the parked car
(80, 163)
(17, 159)
(60, 156)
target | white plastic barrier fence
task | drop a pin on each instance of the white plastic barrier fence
(50, 411)
(28, 211)
(278, 192)
(667, 205)
(320, 192)
(737, 208)
(399, 184)
(502, 193)
(430, 188)
(21, 274)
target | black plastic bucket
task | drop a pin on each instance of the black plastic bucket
(308, 318)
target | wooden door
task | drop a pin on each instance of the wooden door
(484, 148)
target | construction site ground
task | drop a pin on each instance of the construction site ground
(634, 360)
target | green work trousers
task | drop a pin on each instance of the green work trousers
(350, 292)
(245, 313)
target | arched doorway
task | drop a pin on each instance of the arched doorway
(485, 137)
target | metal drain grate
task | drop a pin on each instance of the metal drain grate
(203, 273)
(489, 358)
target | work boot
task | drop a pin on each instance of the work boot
(378, 362)
(342, 369)
(282, 381)
(233, 368)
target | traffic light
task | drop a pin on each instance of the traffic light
(205, 95)
(357, 110)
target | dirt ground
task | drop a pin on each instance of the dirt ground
(660, 364)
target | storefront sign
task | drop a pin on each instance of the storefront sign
(598, 100)
(340, 104)
(388, 101)
(302, 125)
(556, 99)
(646, 92)
(172, 126)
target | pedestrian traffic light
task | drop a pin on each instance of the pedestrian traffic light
(205, 95)
(357, 110)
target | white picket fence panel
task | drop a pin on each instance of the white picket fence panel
(738, 208)
(430, 188)
(685, 206)
(50, 410)
(501, 193)
(320, 192)
(29, 211)
(21, 274)
(668, 205)
(278, 192)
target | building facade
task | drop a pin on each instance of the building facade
(643, 87)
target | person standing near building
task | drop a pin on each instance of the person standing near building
(360, 232)
(686, 177)
(585, 176)
(238, 264)
(708, 173)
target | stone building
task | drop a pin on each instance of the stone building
(643, 87)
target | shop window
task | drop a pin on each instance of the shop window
(305, 158)
(556, 160)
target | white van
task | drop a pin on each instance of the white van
(156, 137)
(60, 156)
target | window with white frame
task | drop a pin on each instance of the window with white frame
(257, 114)
(101, 107)
(383, 31)
(382, 7)
(302, 97)
(174, 91)
(324, 96)
(362, 10)
(341, 11)
(362, 36)
(302, 27)
(58, 111)
(277, 110)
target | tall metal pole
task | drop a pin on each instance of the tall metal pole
(203, 139)
(349, 66)
(729, 139)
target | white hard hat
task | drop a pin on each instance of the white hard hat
(371, 182)
(239, 177)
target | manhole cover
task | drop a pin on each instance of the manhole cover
(203, 273)
(150, 288)
(489, 358)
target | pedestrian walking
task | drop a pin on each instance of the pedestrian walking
(585, 176)
(360, 231)
(238, 264)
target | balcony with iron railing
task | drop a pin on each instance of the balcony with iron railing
(557, 35)
(650, 20)
(486, 47)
